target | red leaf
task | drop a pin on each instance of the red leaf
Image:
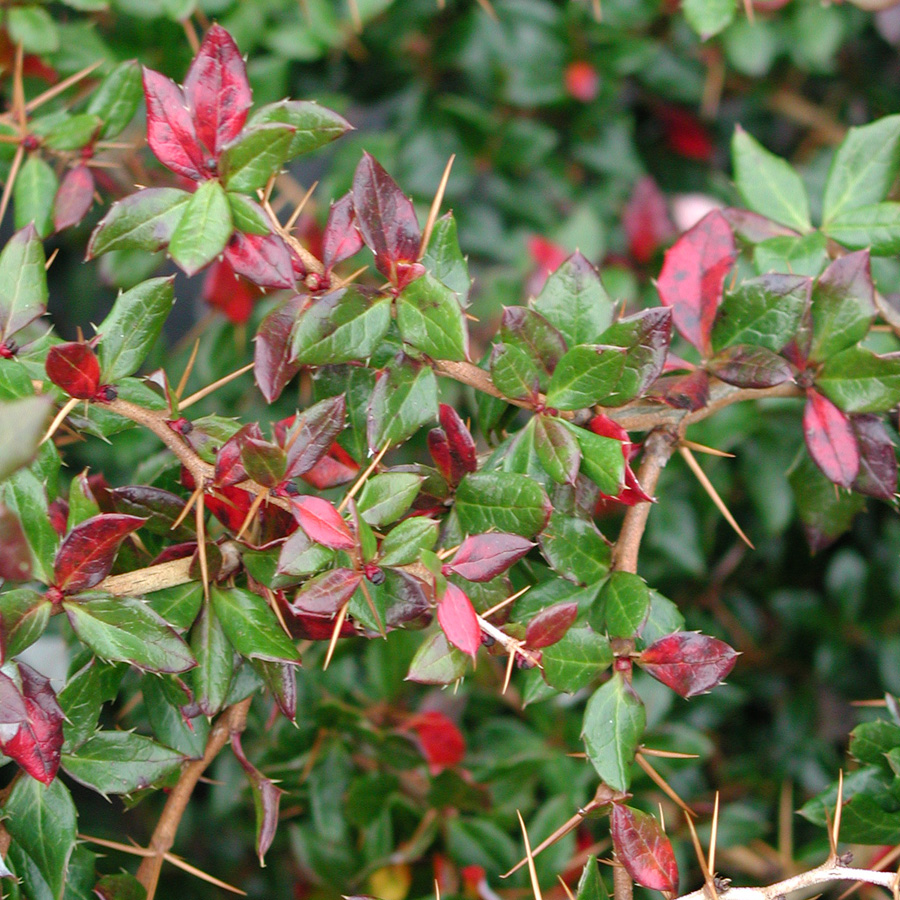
(877, 458)
(685, 134)
(75, 368)
(646, 220)
(217, 91)
(485, 556)
(322, 523)
(225, 291)
(452, 447)
(830, 439)
(458, 619)
(688, 662)
(550, 625)
(313, 434)
(338, 467)
(643, 848)
(310, 628)
(231, 507)
(341, 238)
(229, 465)
(441, 741)
(15, 557)
(31, 723)
(263, 259)
(754, 228)
(386, 219)
(87, 554)
(582, 81)
(272, 366)
(327, 593)
(170, 131)
(688, 392)
(74, 198)
(747, 366)
(693, 276)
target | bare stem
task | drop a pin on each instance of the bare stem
(232, 721)
(623, 886)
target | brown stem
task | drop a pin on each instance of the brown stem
(658, 447)
(623, 886)
(232, 721)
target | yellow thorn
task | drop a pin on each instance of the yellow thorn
(338, 624)
(509, 668)
(258, 501)
(354, 14)
(838, 808)
(199, 873)
(713, 494)
(191, 34)
(182, 383)
(362, 478)
(437, 890)
(702, 448)
(201, 543)
(50, 259)
(535, 886)
(565, 887)
(486, 6)
(57, 89)
(661, 782)
(713, 837)
(59, 418)
(435, 207)
(11, 180)
(598, 12)
(187, 508)
(204, 392)
(292, 221)
(668, 754)
(506, 602)
(698, 850)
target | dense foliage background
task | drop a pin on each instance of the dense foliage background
(604, 128)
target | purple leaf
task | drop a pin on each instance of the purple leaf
(272, 364)
(341, 238)
(877, 475)
(688, 662)
(86, 556)
(15, 557)
(326, 594)
(313, 433)
(485, 556)
(550, 625)
(744, 365)
(170, 131)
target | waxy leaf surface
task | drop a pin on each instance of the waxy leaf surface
(458, 619)
(688, 662)
(643, 848)
(86, 556)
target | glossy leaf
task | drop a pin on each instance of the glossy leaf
(251, 626)
(602, 459)
(341, 238)
(550, 625)
(215, 662)
(753, 367)
(575, 660)
(623, 605)
(119, 887)
(322, 522)
(159, 508)
(23, 282)
(445, 260)
(264, 462)
(254, 156)
(170, 129)
(590, 884)
(437, 661)
(313, 433)
(585, 376)
(830, 440)
(875, 228)
(532, 333)
(482, 557)
(877, 474)
(385, 498)
(557, 449)
(405, 542)
(859, 381)
(501, 501)
(404, 399)
(514, 372)
(217, 91)
(33, 194)
(86, 555)
(314, 126)
(142, 221)
(643, 848)
(24, 493)
(263, 259)
(15, 557)
(117, 97)
(614, 722)
(24, 615)
(300, 556)
(768, 184)
(693, 276)
(266, 800)
(74, 198)
(575, 549)
(203, 230)
(328, 593)
(688, 662)
(272, 365)
(458, 619)
(451, 446)
(431, 320)
(74, 367)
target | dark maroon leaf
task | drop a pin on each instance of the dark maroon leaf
(451, 446)
(550, 625)
(754, 228)
(458, 619)
(688, 662)
(341, 238)
(281, 680)
(217, 91)
(748, 366)
(263, 259)
(386, 218)
(74, 198)
(170, 131)
(229, 464)
(533, 333)
(877, 458)
(482, 557)
(31, 723)
(693, 275)
(160, 508)
(643, 848)
(337, 467)
(313, 434)
(322, 523)
(266, 799)
(75, 368)
(646, 220)
(689, 391)
(86, 555)
(327, 593)
(263, 461)
(407, 601)
(830, 439)
(272, 364)
(15, 557)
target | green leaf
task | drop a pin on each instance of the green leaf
(825, 513)
(585, 375)
(203, 230)
(708, 17)
(83, 697)
(575, 549)
(42, 821)
(591, 886)
(576, 660)
(803, 255)
(601, 459)
(875, 227)
(24, 615)
(22, 425)
(858, 381)
(125, 629)
(133, 326)
(444, 259)
(431, 320)
(768, 184)
(73, 132)
(165, 699)
(557, 449)
(843, 306)
(622, 606)
(404, 543)
(765, 312)
(863, 169)
(178, 605)
(314, 126)
(387, 497)
(501, 501)
(117, 98)
(33, 28)
(404, 399)
(23, 282)
(119, 762)
(251, 626)
(575, 301)
(257, 153)
(33, 195)
(614, 722)
(514, 372)
(664, 618)
(871, 741)
(215, 662)
(142, 221)
(341, 326)
(248, 216)
(24, 494)
(119, 887)
(437, 662)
